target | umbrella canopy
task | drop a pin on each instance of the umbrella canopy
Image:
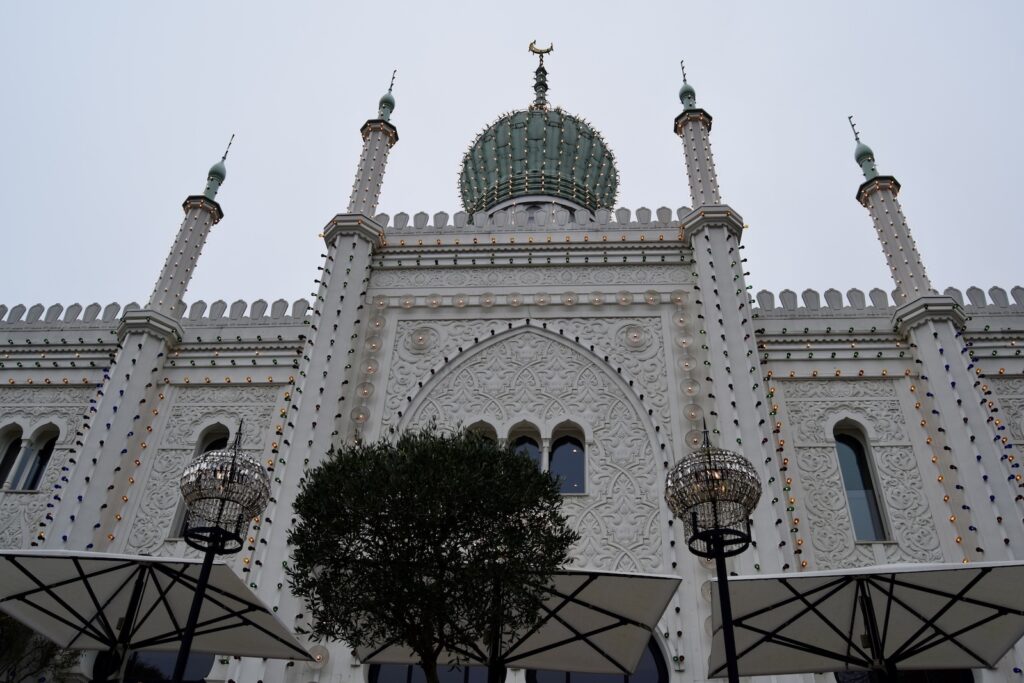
(883, 618)
(100, 601)
(595, 622)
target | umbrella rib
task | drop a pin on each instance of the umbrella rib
(80, 627)
(58, 584)
(86, 624)
(834, 587)
(582, 637)
(585, 639)
(965, 599)
(100, 613)
(938, 638)
(102, 608)
(161, 599)
(848, 637)
(565, 598)
(785, 641)
(927, 622)
(888, 609)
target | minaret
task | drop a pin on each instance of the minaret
(202, 212)
(878, 194)
(694, 127)
(95, 509)
(725, 347)
(326, 407)
(972, 461)
(379, 136)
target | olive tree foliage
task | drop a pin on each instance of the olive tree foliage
(431, 541)
(26, 656)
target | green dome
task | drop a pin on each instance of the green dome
(862, 151)
(218, 171)
(533, 152)
(687, 92)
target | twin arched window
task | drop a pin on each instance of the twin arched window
(859, 482)
(563, 454)
(24, 461)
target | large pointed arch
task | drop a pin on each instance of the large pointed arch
(534, 375)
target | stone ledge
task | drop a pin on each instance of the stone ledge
(147, 320)
(882, 182)
(198, 201)
(353, 224)
(692, 115)
(716, 216)
(925, 308)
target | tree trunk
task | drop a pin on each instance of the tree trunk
(430, 669)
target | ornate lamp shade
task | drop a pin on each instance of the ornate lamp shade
(713, 491)
(223, 491)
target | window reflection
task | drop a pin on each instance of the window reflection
(568, 465)
(651, 669)
(530, 447)
(860, 489)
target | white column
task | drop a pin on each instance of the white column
(378, 138)
(694, 127)
(878, 195)
(201, 214)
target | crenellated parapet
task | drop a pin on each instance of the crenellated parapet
(77, 316)
(543, 218)
(830, 303)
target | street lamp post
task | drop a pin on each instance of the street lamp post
(714, 491)
(223, 491)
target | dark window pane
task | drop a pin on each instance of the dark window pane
(10, 455)
(651, 669)
(550, 676)
(860, 489)
(525, 444)
(568, 465)
(39, 463)
(216, 444)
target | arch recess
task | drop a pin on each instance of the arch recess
(533, 375)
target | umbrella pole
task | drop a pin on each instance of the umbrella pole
(193, 614)
(723, 598)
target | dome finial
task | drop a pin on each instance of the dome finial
(862, 154)
(387, 101)
(687, 95)
(218, 172)
(540, 84)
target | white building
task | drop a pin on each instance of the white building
(884, 426)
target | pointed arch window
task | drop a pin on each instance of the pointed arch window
(568, 460)
(38, 460)
(213, 438)
(859, 482)
(526, 439)
(10, 447)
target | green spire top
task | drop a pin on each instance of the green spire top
(687, 95)
(863, 155)
(218, 172)
(387, 101)
(540, 82)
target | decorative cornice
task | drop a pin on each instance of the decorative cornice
(925, 308)
(882, 182)
(715, 216)
(198, 201)
(354, 224)
(692, 115)
(151, 322)
(380, 126)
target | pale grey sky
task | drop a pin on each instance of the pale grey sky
(113, 111)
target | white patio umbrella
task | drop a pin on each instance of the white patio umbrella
(884, 619)
(100, 601)
(592, 621)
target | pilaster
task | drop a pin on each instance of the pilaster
(379, 136)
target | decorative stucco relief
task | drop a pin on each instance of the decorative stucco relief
(574, 276)
(534, 375)
(811, 408)
(193, 410)
(21, 513)
(421, 346)
(1010, 394)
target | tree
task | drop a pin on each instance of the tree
(27, 656)
(440, 542)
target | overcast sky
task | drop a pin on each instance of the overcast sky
(113, 111)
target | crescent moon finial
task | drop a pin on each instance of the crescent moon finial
(538, 51)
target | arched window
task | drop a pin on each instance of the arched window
(568, 461)
(485, 430)
(42, 447)
(10, 447)
(651, 669)
(526, 439)
(213, 438)
(859, 483)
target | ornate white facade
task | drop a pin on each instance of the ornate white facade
(632, 326)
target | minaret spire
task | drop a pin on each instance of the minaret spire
(218, 172)
(379, 136)
(540, 77)
(694, 127)
(878, 195)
